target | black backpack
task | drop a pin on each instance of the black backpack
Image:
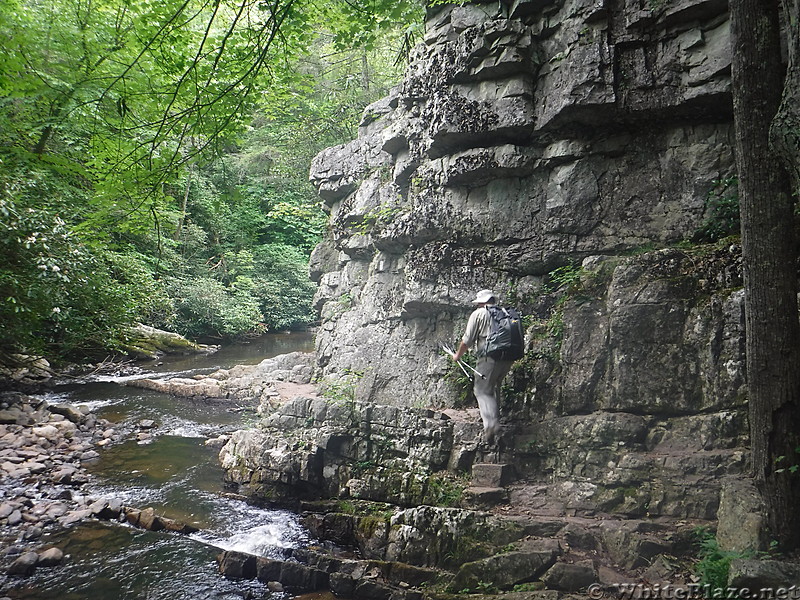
(505, 340)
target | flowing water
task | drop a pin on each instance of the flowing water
(180, 478)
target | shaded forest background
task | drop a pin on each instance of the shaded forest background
(154, 160)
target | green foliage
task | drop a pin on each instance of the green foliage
(714, 565)
(207, 307)
(445, 489)
(377, 217)
(722, 208)
(346, 507)
(486, 587)
(535, 586)
(360, 22)
(57, 294)
(460, 381)
(341, 390)
(566, 277)
(282, 286)
(154, 159)
(783, 466)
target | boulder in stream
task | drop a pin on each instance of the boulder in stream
(148, 342)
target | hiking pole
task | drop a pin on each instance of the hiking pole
(458, 362)
(474, 370)
(463, 364)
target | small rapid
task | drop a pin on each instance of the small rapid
(176, 473)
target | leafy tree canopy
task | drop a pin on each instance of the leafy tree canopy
(154, 158)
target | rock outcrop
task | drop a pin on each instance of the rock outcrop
(526, 136)
(145, 342)
(547, 150)
(261, 384)
(562, 154)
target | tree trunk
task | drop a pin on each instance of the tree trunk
(785, 132)
(365, 78)
(184, 202)
(770, 271)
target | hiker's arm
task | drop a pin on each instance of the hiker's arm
(470, 336)
(462, 350)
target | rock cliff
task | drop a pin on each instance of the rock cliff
(524, 137)
(562, 153)
(530, 139)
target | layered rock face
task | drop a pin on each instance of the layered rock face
(527, 136)
(634, 407)
(557, 152)
(523, 137)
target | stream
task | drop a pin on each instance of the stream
(181, 479)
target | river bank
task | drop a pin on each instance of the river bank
(78, 457)
(44, 452)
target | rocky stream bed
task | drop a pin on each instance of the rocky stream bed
(428, 513)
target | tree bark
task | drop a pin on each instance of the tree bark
(785, 131)
(184, 202)
(770, 265)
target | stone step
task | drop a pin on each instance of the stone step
(483, 497)
(489, 475)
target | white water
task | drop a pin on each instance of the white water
(180, 478)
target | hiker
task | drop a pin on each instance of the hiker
(486, 388)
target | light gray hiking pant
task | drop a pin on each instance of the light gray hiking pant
(487, 391)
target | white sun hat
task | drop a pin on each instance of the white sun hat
(484, 296)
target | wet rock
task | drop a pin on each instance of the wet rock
(342, 584)
(237, 565)
(244, 383)
(6, 508)
(75, 415)
(49, 432)
(114, 507)
(106, 509)
(148, 519)
(177, 526)
(64, 474)
(74, 516)
(372, 590)
(50, 557)
(56, 509)
(24, 565)
(90, 455)
(14, 415)
(182, 387)
(132, 515)
(35, 467)
(299, 577)
(218, 442)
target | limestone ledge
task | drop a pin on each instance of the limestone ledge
(600, 463)
(262, 383)
(527, 136)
